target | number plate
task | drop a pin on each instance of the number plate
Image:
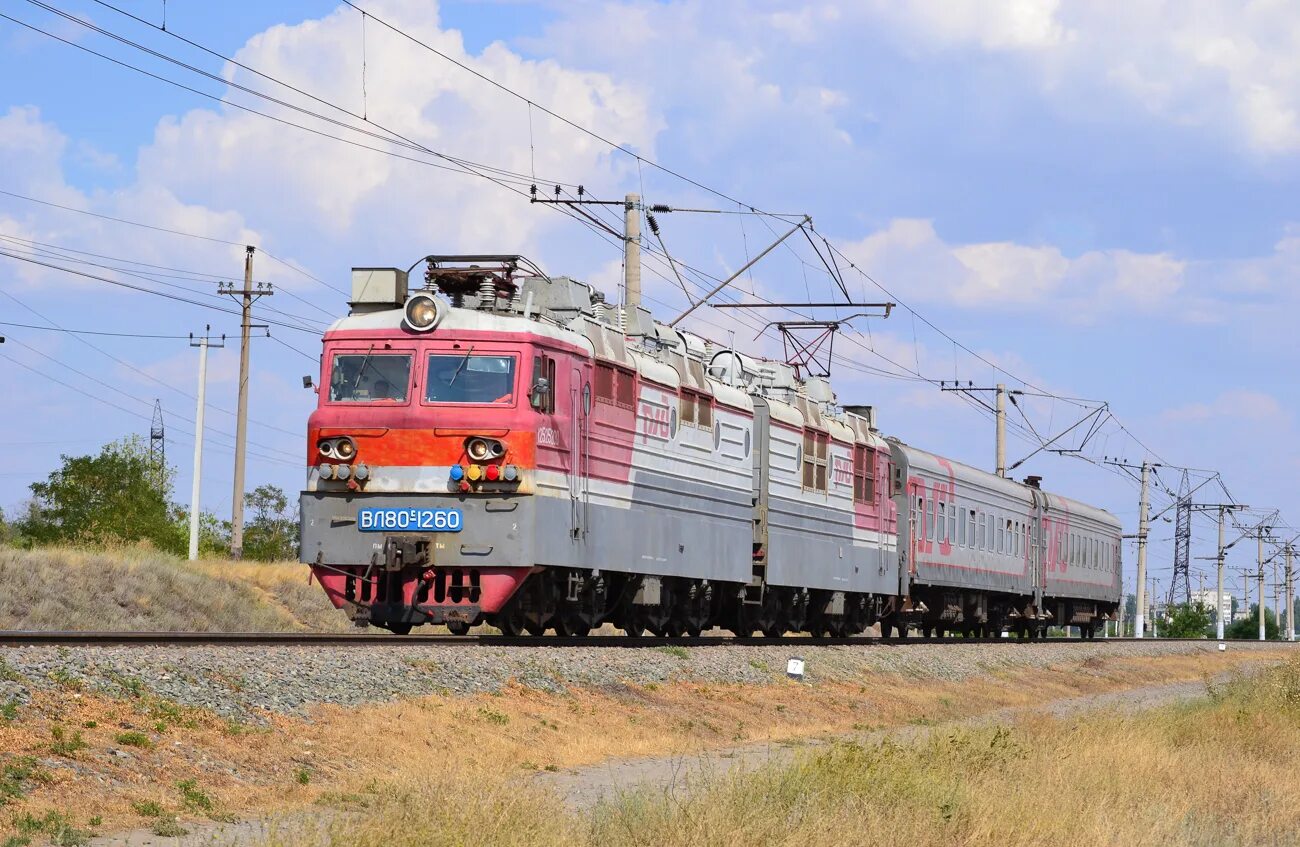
(409, 520)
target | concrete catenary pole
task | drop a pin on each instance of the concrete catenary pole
(632, 251)
(1262, 602)
(1139, 621)
(1290, 595)
(202, 344)
(1218, 596)
(1001, 406)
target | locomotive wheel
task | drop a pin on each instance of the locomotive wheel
(773, 630)
(633, 623)
(571, 626)
(458, 628)
(510, 621)
(402, 628)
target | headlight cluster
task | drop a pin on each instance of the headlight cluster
(423, 311)
(484, 449)
(337, 448)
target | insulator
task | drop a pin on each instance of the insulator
(654, 224)
(660, 207)
(487, 293)
(581, 191)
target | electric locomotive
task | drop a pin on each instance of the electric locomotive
(503, 447)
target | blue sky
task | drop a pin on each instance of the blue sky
(1097, 199)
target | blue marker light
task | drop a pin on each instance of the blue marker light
(457, 473)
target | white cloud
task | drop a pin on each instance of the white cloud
(910, 255)
(1222, 65)
(1236, 405)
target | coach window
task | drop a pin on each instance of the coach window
(940, 521)
(970, 529)
(961, 527)
(1001, 536)
(978, 532)
(952, 523)
(815, 445)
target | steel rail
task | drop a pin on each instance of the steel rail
(29, 638)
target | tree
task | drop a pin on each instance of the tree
(117, 496)
(272, 534)
(1188, 621)
(1249, 627)
(6, 532)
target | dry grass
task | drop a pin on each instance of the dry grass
(140, 589)
(1216, 772)
(449, 769)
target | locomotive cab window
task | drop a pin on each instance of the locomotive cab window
(470, 378)
(368, 377)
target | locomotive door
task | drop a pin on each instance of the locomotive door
(579, 437)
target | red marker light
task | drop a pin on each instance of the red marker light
(464, 486)
(493, 472)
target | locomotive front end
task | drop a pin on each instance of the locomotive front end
(418, 506)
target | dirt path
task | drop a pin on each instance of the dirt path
(583, 788)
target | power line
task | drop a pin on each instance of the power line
(88, 331)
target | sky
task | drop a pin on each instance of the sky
(1092, 201)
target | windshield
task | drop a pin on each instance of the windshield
(366, 377)
(469, 378)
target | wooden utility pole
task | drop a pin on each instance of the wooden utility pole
(246, 297)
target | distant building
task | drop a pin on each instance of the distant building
(1207, 597)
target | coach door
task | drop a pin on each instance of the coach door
(579, 437)
(1038, 541)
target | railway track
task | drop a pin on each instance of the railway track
(236, 639)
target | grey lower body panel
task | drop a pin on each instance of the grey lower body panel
(529, 530)
(810, 546)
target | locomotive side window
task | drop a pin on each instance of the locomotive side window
(815, 447)
(470, 378)
(688, 405)
(704, 411)
(615, 386)
(604, 383)
(366, 378)
(864, 481)
(624, 388)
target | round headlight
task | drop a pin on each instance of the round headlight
(422, 311)
(345, 448)
(361, 473)
(342, 471)
(326, 471)
(478, 449)
(326, 447)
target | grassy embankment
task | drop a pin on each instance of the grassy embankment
(1213, 772)
(456, 769)
(134, 589)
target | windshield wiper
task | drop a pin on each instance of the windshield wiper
(356, 383)
(461, 366)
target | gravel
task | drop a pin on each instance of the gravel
(244, 683)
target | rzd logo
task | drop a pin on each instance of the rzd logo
(654, 422)
(841, 470)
